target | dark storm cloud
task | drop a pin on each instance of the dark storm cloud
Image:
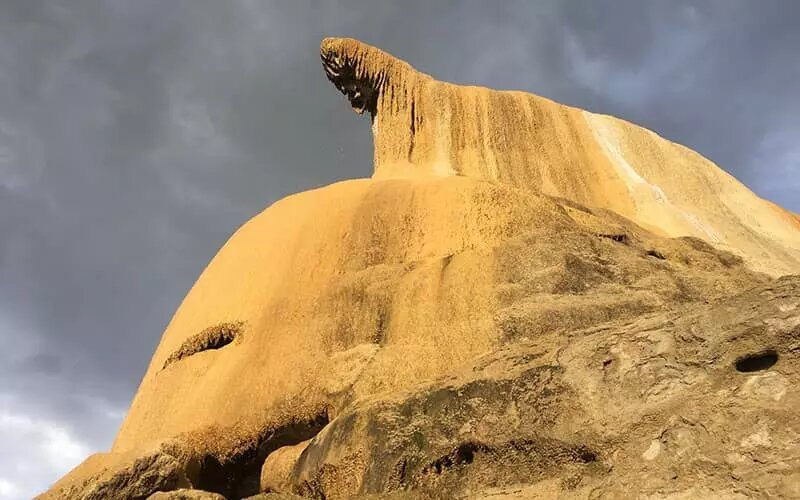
(135, 136)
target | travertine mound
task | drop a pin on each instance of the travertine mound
(491, 328)
(422, 126)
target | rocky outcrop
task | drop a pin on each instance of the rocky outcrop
(515, 325)
(422, 126)
(692, 403)
(276, 473)
(134, 475)
(373, 279)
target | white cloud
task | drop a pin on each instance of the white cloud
(35, 453)
(8, 489)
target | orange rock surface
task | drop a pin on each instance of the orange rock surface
(493, 219)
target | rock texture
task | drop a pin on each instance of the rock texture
(422, 126)
(694, 403)
(185, 494)
(127, 475)
(500, 315)
(276, 473)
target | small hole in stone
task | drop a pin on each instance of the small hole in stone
(756, 362)
(619, 238)
(465, 453)
(586, 456)
(656, 254)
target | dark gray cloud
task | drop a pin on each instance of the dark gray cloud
(136, 136)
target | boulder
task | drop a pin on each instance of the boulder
(276, 473)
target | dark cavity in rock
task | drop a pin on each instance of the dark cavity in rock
(756, 362)
(238, 477)
(214, 337)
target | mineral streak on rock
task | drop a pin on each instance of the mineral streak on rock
(424, 127)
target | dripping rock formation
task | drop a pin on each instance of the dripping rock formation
(526, 300)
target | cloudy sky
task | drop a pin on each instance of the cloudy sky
(135, 136)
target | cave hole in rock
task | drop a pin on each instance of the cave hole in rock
(585, 455)
(213, 337)
(756, 362)
(464, 454)
(656, 254)
(239, 476)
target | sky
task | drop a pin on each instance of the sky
(136, 136)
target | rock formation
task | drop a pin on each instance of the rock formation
(525, 301)
(422, 126)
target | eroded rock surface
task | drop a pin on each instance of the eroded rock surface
(498, 313)
(134, 475)
(655, 407)
(422, 126)
(185, 494)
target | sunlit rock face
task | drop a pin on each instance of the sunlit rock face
(523, 294)
(422, 126)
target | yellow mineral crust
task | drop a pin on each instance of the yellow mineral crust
(425, 127)
(493, 219)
